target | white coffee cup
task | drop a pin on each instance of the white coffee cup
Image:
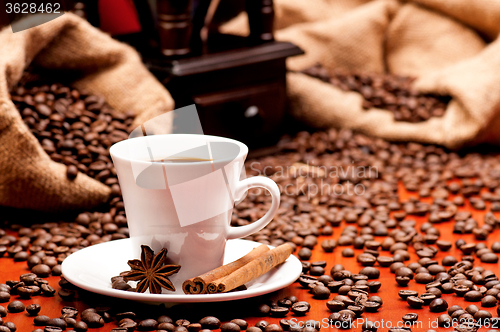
(186, 206)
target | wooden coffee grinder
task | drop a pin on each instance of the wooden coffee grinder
(237, 83)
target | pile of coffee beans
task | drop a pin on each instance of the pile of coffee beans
(390, 92)
(340, 191)
(319, 173)
(74, 128)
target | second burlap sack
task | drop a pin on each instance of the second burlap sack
(28, 177)
(451, 46)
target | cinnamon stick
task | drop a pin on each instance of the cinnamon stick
(252, 270)
(198, 285)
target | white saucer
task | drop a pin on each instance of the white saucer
(91, 268)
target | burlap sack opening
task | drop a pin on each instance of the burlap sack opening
(28, 177)
(450, 46)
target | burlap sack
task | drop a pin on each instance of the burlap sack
(443, 43)
(28, 177)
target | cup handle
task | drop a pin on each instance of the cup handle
(246, 184)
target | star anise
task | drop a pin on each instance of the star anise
(151, 271)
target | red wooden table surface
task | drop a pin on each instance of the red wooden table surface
(391, 311)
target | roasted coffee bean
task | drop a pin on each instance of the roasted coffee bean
(41, 320)
(272, 328)
(169, 327)
(33, 309)
(41, 270)
(438, 305)
(213, 323)
(444, 320)
(253, 329)
(489, 258)
(335, 306)
(285, 324)
(4, 296)
(383, 92)
(328, 245)
(316, 271)
(57, 322)
(48, 290)
(423, 278)
(262, 324)
(411, 317)
(321, 292)
(67, 294)
(370, 272)
(374, 286)
(279, 311)
(414, 302)
(489, 301)
(404, 272)
(482, 315)
(348, 252)
(402, 281)
(371, 306)
(444, 245)
(427, 298)
(93, 320)
(129, 324)
(15, 306)
(472, 296)
(147, 325)
(346, 317)
(69, 312)
(405, 293)
(3, 311)
(80, 326)
(241, 323)
(180, 329)
(304, 253)
(300, 308)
